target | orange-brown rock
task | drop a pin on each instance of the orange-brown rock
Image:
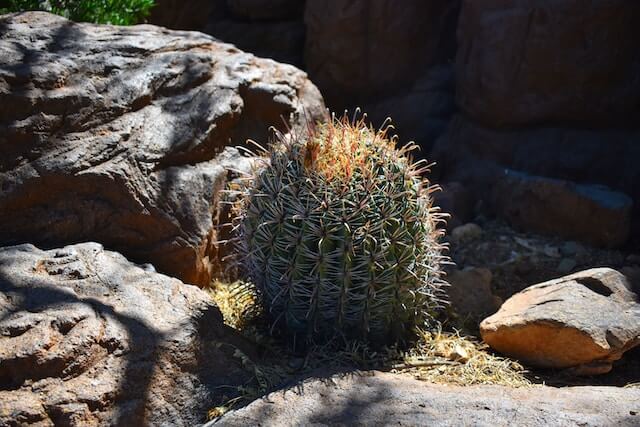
(120, 135)
(587, 318)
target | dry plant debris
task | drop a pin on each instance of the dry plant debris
(444, 357)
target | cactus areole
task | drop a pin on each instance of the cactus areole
(337, 231)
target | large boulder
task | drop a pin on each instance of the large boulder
(118, 135)
(390, 399)
(589, 213)
(549, 88)
(477, 156)
(359, 50)
(586, 321)
(521, 62)
(88, 338)
(390, 59)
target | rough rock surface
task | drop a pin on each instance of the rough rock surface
(476, 156)
(388, 399)
(114, 134)
(88, 338)
(390, 60)
(585, 320)
(522, 62)
(548, 88)
(362, 49)
(589, 213)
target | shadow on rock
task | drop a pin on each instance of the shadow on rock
(88, 338)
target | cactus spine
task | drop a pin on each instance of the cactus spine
(338, 234)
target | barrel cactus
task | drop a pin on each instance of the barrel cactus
(337, 231)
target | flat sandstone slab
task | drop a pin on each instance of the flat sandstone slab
(390, 399)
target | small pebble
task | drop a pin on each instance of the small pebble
(566, 265)
(551, 251)
(466, 232)
(296, 363)
(571, 248)
(525, 265)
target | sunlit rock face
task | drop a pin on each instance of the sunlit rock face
(120, 135)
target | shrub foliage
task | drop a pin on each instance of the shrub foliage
(117, 12)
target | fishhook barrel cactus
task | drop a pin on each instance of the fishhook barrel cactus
(337, 231)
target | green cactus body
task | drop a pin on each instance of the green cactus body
(337, 232)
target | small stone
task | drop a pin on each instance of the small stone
(566, 265)
(571, 248)
(588, 318)
(470, 292)
(467, 232)
(459, 354)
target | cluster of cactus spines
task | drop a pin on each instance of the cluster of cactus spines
(337, 231)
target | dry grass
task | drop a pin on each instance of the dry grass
(449, 358)
(438, 357)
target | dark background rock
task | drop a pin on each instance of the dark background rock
(272, 29)
(455, 200)
(548, 88)
(589, 213)
(187, 15)
(477, 156)
(359, 51)
(551, 61)
(265, 10)
(280, 40)
(390, 60)
(585, 320)
(88, 338)
(118, 135)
